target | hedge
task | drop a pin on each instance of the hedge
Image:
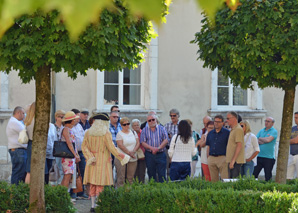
(246, 195)
(16, 198)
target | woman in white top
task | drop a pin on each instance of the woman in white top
(128, 143)
(182, 149)
(252, 149)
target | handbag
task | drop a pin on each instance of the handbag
(140, 153)
(61, 149)
(23, 136)
(79, 182)
(54, 174)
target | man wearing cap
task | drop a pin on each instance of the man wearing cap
(154, 138)
(84, 119)
(16, 150)
(79, 136)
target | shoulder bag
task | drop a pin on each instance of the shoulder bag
(139, 152)
(23, 136)
(61, 149)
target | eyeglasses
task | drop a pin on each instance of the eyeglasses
(115, 116)
(217, 121)
(268, 121)
(173, 115)
(127, 124)
(151, 120)
(242, 126)
(60, 117)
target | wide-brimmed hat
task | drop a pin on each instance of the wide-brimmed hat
(101, 116)
(70, 115)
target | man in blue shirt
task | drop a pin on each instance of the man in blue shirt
(154, 138)
(293, 158)
(266, 158)
(216, 143)
(115, 127)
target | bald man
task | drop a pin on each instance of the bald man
(266, 158)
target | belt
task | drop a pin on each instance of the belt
(80, 151)
(14, 149)
(217, 155)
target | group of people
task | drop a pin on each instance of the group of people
(227, 149)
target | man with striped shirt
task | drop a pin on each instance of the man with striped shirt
(155, 138)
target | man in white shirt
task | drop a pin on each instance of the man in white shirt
(16, 150)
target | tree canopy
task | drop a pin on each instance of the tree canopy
(257, 42)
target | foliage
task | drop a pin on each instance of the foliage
(197, 196)
(114, 42)
(16, 198)
(257, 42)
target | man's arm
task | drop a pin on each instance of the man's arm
(237, 151)
(208, 148)
(294, 140)
(265, 140)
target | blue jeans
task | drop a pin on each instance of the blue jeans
(179, 170)
(247, 169)
(156, 164)
(18, 160)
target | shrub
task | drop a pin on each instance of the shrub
(16, 198)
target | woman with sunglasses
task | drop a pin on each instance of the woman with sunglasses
(128, 143)
(252, 149)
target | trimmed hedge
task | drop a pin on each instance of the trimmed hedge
(16, 198)
(246, 195)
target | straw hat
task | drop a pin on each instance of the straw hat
(70, 115)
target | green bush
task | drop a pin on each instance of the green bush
(245, 195)
(16, 198)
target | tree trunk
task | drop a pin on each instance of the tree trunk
(40, 135)
(285, 134)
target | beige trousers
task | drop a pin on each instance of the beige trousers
(125, 172)
(218, 166)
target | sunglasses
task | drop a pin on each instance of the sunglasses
(242, 126)
(127, 124)
(60, 116)
(115, 116)
(173, 115)
(151, 120)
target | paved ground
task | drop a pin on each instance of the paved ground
(83, 206)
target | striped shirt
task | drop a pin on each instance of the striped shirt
(154, 138)
(114, 131)
(172, 129)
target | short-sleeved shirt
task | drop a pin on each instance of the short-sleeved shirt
(14, 127)
(294, 147)
(236, 136)
(114, 131)
(218, 141)
(154, 138)
(129, 141)
(267, 150)
(172, 129)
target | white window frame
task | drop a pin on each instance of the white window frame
(254, 97)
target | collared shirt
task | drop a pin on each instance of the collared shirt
(236, 136)
(267, 150)
(154, 138)
(52, 134)
(294, 147)
(172, 129)
(218, 141)
(79, 134)
(58, 131)
(13, 128)
(86, 126)
(114, 131)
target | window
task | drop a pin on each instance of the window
(227, 94)
(122, 88)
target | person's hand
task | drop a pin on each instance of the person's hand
(78, 159)
(132, 154)
(247, 160)
(154, 150)
(231, 166)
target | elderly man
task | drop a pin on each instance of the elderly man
(84, 119)
(217, 141)
(115, 127)
(235, 149)
(206, 119)
(16, 150)
(172, 126)
(154, 138)
(293, 158)
(266, 158)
